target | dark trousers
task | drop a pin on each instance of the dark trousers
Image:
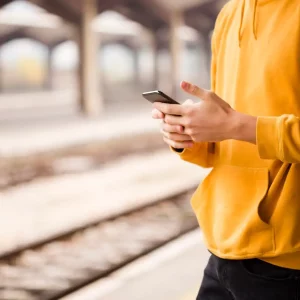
(251, 279)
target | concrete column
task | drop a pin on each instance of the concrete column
(136, 66)
(207, 48)
(155, 51)
(91, 102)
(1, 72)
(103, 82)
(176, 45)
(48, 83)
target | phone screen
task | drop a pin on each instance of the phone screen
(158, 96)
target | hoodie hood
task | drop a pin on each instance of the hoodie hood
(253, 8)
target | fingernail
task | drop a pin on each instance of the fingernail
(180, 128)
(184, 84)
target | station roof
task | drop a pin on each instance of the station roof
(150, 14)
(51, 30)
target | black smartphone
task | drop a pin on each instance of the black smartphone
(158, 96)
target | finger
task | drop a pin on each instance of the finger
(178, 145)
(174, 120)
(172, 128)
(194, 90)
(176, 137)
(156, 114)
(169, 109)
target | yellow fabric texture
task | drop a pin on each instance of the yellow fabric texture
(249, 204)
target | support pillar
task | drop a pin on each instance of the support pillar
(136, 66)
(207, 48)
(48, 83)
(155, 51)
(91, 102)
(176, 49)
(1, 72)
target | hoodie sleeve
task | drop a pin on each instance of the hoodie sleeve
(279, 138)
(202, 154)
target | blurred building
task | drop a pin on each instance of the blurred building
(90, 46)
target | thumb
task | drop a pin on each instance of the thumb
(193, 90)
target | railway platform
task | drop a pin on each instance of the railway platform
(51, 122)
(173, 272)
(76, 199)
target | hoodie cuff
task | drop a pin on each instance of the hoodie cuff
(178, 151)
(267, 137)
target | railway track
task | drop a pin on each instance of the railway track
(80, 158)
(60, 266)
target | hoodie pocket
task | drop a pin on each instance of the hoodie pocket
(227, 205)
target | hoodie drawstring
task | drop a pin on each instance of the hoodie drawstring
(254, 13)
(254, 19)
(241, 22)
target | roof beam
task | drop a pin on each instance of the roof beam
(136, 16)
(109, 4)
(60, 9)
(18, 34)
(142, 15)
(59, 42)
(158, 10)
(201, 23)
(202, 17)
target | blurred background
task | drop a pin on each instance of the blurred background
(93, 205)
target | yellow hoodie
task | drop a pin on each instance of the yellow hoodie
(249, 204)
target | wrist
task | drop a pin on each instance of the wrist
(243, 127)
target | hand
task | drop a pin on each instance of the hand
(211, 120)
(173, 134)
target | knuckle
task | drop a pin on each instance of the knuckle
(188, 122)
(178, 129)
(193, 88)
(189, 111)
(167, 109)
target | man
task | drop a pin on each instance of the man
(248, 130)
